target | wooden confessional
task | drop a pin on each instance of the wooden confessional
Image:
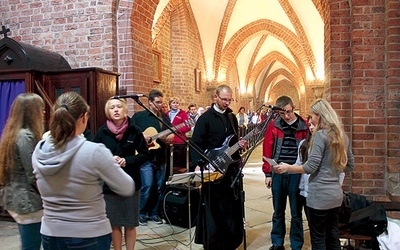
(49, 75)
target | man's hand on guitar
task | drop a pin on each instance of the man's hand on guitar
(198, 169)
(147, 138)
(243, 144)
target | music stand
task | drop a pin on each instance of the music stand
(189, 178)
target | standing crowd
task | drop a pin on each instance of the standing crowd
(68, 192)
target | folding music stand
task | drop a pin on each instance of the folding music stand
(191, 177)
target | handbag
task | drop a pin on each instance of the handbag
(370, 220)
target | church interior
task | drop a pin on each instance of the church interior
(347, 52)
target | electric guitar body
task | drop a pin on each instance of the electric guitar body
(222, 156)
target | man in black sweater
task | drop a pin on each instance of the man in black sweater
(220, 220)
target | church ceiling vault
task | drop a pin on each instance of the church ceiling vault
(265, 42)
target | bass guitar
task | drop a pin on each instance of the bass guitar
(222, 156)
(152, 132)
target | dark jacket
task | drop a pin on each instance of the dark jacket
(132, 142)
(21, 194)
(211, 131)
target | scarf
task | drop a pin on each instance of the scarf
(118, 131)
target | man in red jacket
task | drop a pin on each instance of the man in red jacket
(281, 141)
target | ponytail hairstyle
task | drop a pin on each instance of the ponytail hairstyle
(329, 120)
(68, 108)
(26, 113)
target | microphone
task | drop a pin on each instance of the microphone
(273, 108)
(128, 96)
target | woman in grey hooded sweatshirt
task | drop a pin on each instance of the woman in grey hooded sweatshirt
(70, 172)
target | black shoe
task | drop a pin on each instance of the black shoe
(277, 248)
(143, 220)
(156, 219)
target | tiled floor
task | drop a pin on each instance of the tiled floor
(258, 214)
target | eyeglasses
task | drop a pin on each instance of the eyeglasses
(286, 112)
(225, 99)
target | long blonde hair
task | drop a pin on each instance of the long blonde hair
(329, 120)
(26, 113)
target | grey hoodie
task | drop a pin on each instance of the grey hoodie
(70, 182)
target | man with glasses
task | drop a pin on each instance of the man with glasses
(220, 221)
(281, 141)
(154, 168)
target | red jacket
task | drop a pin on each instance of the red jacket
(273, 139)
(180, 118)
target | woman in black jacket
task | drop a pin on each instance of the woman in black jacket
(126, 142)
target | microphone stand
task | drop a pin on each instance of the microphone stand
(239, 176)
(204, 158)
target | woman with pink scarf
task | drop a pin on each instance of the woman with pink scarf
(123, 139)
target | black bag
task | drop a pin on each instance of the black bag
(351, 202)
(370, 220)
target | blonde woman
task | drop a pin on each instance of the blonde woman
(21, 198)
(123, 139)
(329, 155)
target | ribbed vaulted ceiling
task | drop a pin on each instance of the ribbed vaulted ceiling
(271, 41)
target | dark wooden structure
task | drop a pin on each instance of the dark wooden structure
(49, 75)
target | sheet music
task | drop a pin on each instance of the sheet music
(189, 177)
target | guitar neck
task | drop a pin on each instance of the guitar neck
(230, 151)
(161, 134)
(167, 131)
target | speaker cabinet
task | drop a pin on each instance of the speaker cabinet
(176, 209)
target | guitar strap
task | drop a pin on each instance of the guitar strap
(230, 115)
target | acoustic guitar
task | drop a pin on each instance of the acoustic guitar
(152, 132)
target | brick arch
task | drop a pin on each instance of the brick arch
(297, 72)
(301, 34)
(252, 30)
(321, 6)
(270, 78)
(166, 15)
(285, 87)
(253, 59)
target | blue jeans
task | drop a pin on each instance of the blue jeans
(284, 185)
(324, 228)
(150, 176)
(31, 238)
(61, 243)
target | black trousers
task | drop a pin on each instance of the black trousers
(324, 228)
